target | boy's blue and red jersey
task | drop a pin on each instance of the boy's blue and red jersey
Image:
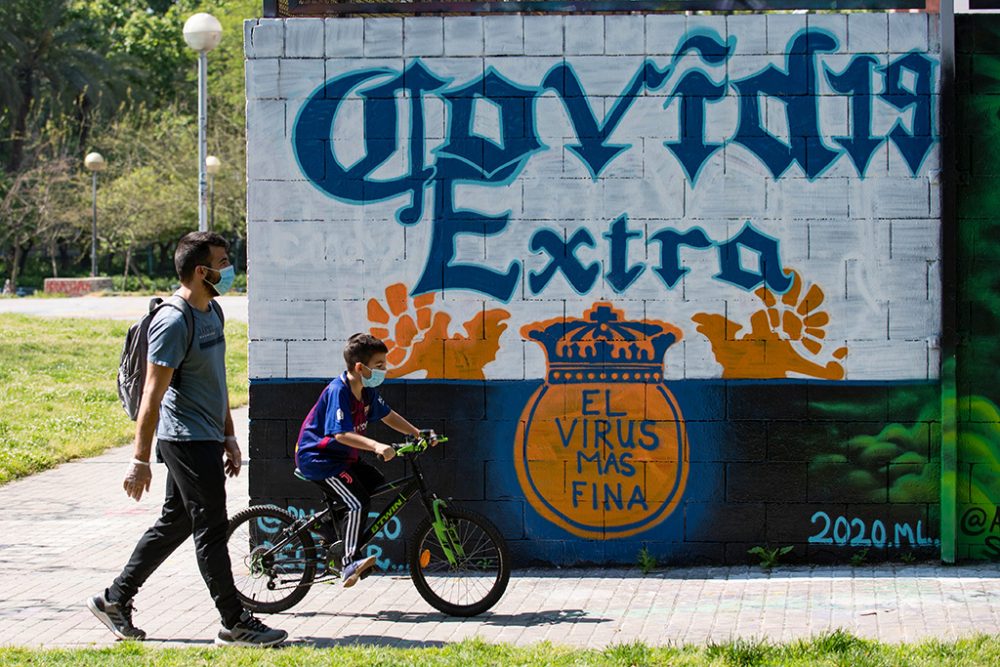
(318, 455)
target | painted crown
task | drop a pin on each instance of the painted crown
(603, 346)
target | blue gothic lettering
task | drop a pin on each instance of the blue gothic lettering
(435, 175)
(470, 158)
(621, 275)
(916, 144)
(441, 272)
(593, 150)
(696, 90)
(670, 270)
(769, 272)
(856, 80)
(709, 46)
(316, 152)
(516, 126)
(562, 257)
(797, 89)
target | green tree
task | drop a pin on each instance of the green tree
(53, 72)
(39, 203)
(113, 76)
(145, 34)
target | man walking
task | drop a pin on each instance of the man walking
(185, 403)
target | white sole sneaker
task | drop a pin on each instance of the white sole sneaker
(219, 641)
(104, 618)
(361, 570)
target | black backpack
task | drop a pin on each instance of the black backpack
(132, 365)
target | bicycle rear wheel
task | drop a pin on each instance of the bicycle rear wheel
(269, 583)
(480, 574)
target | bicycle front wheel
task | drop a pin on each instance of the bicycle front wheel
(481, 569)
(269, 581)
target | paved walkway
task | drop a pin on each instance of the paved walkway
(105, 307)
(64, 535)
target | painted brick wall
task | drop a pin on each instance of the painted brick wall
(665, 281)
(977, 486)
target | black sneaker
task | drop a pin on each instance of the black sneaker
(117, 616)
(249, 631)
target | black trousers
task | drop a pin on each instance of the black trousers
(195, 504)
(353, 488)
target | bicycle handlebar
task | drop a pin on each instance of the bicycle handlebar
(415, 445)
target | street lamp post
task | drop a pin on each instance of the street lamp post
(212, 166)
(94, 162)
(202, 32)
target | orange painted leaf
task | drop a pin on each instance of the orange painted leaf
(424, 317)
(814, 299)
(423, 300)
(792, 325)
(396, 356)
(819, 319)
(812, 345)
(791, 297)
(396, 297)
(406, 330)
(376, 313)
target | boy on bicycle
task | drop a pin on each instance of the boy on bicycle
(333, 436)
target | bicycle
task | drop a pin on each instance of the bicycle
(458, 560)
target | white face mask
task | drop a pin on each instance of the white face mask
(378, 376)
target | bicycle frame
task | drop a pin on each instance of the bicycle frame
(412, 485)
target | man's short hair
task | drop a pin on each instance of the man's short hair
(362, 347)
(194, 250)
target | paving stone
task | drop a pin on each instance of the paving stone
(60, 558)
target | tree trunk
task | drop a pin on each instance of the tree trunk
(53, 252)
(83, 119)
(164, 256)
(27, 85)
(64, 257)
(24, 251)
(128, 260)
(15, 265)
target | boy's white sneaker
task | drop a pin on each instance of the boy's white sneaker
(357, 569)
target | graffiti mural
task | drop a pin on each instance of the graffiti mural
(977, 487)
(793, 321)
(364, 138)
(418, 340)
(604, 451)
(675, 286)
(385, 546)
(467, 158)
(855, 532)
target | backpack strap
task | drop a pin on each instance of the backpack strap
(180, 304)
(218, 311)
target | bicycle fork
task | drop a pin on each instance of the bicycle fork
(446, 535)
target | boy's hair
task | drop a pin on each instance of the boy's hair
(362, 347)
(194, 250)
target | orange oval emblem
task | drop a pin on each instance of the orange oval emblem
(604, 450)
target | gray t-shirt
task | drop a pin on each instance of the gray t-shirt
(194, 407)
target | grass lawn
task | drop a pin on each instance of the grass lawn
(58, 399)
(837, 648)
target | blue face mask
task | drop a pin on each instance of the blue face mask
(226, 278)
(378, 376)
